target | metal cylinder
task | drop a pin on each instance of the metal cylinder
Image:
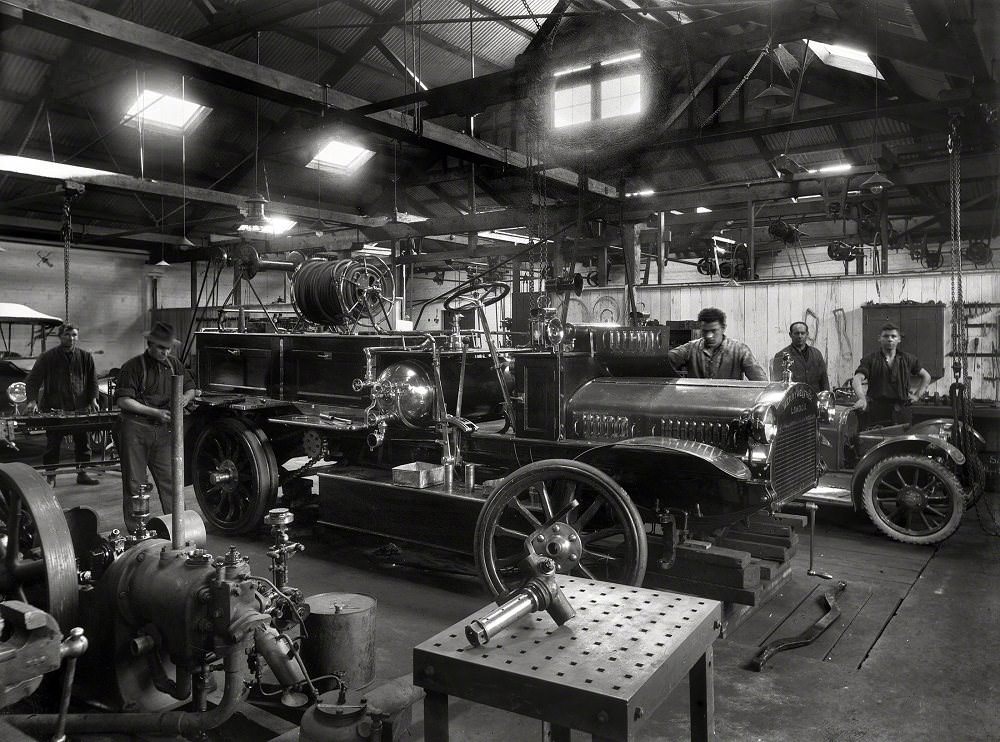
(177, 461)
(470, 476)
(481, 630)
(341, 638)
(194, 528)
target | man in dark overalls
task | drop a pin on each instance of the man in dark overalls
(888, 371)
(63, 379)
(144, 401)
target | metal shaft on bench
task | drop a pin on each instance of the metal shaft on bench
(811, 508)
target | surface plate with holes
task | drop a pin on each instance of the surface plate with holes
(605, 671)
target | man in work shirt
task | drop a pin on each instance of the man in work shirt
(713, 355)
(63, 379)
(807, 363)
(144, 385)
(888, 371)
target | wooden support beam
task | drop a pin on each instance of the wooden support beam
(250, 16)
(116, 35)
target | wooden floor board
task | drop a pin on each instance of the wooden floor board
(756, 629)
(856, 641)
(851, 603)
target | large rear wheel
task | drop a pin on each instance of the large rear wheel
(913, 499)
(235, 474)
(601, 537)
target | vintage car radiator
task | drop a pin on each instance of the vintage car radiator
(716, 412)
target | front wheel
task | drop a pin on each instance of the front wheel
(600, 537)
(913, 499)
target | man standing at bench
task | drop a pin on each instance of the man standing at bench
(64, 380)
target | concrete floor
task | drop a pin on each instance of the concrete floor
(932, 672)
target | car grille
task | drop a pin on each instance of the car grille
(793, 461)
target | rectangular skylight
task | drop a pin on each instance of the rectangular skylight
(46, 169)
(844, 58)
(164, 113)
(275, 225)
(675, 212)
(703, 210)
(643, 192)
(517, 239)
(340, 157)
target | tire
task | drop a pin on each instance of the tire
(235, 447)
(604, 513)
(913, 499)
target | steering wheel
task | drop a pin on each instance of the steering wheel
(491, 294)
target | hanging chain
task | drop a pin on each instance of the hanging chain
(527, 8)
(959, 331)
(67, 237)
(760, 57)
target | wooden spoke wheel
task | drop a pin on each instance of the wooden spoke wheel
(37, 561)
(235, 474)
(602, 537)
(913, 499)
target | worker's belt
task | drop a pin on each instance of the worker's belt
(144, 419)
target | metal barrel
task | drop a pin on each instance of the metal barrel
(341, 638)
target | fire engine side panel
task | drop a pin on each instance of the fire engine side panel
(321, 368)
(243, 363)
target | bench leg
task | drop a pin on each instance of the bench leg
(554, 733)
(702, 699)
(435, 717)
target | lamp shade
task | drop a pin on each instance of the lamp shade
(876, 183)
(255, 211)
(773, 96)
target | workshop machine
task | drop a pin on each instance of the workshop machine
(578, 444)
(148, 615)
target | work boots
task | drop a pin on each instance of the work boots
(84, 478)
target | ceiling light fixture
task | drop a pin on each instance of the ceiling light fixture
(877, 182)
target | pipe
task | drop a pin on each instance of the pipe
(177, 456)
(154, 722)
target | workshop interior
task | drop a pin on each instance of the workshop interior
(499, 370)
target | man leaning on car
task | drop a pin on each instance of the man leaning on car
(888, 371)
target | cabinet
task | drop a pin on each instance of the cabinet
(922, 327)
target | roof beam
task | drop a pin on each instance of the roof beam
(250, 16)
(68, 19)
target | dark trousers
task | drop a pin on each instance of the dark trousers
(887, 412)
(144, 446)
(53, 448)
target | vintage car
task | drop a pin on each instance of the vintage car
(24, 334)
(911, 480)
(577, 447)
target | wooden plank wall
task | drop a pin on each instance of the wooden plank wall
(759, 314)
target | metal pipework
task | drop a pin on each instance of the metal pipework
(72, 647)
(177, 460)
(542, 593)
(283, 547)
(169, 722)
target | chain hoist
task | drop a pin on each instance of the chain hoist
(962, 430)
(71, 192)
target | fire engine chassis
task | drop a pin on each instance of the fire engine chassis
(578, 447)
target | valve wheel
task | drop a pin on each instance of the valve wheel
(913, 499)
(235, 475)
(601, 538)
(37, 560)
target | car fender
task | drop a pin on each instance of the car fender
(730, 465)
(912, 443)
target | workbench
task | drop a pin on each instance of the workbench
(604, 672)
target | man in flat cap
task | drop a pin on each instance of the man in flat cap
(143, 396)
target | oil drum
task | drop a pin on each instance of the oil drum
(341, 638)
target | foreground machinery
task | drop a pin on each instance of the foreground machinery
(577, 444)
(148, 618)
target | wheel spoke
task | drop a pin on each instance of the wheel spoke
(509, 561)
(543, 492)
(527, 514)
(581, 522)
(890, 487)
(926, 522)
(600, 557)
(586, 572)
(935, 511)
(602, 534)
(512, 533)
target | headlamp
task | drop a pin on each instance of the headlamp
(17, 392)
(764, 423)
